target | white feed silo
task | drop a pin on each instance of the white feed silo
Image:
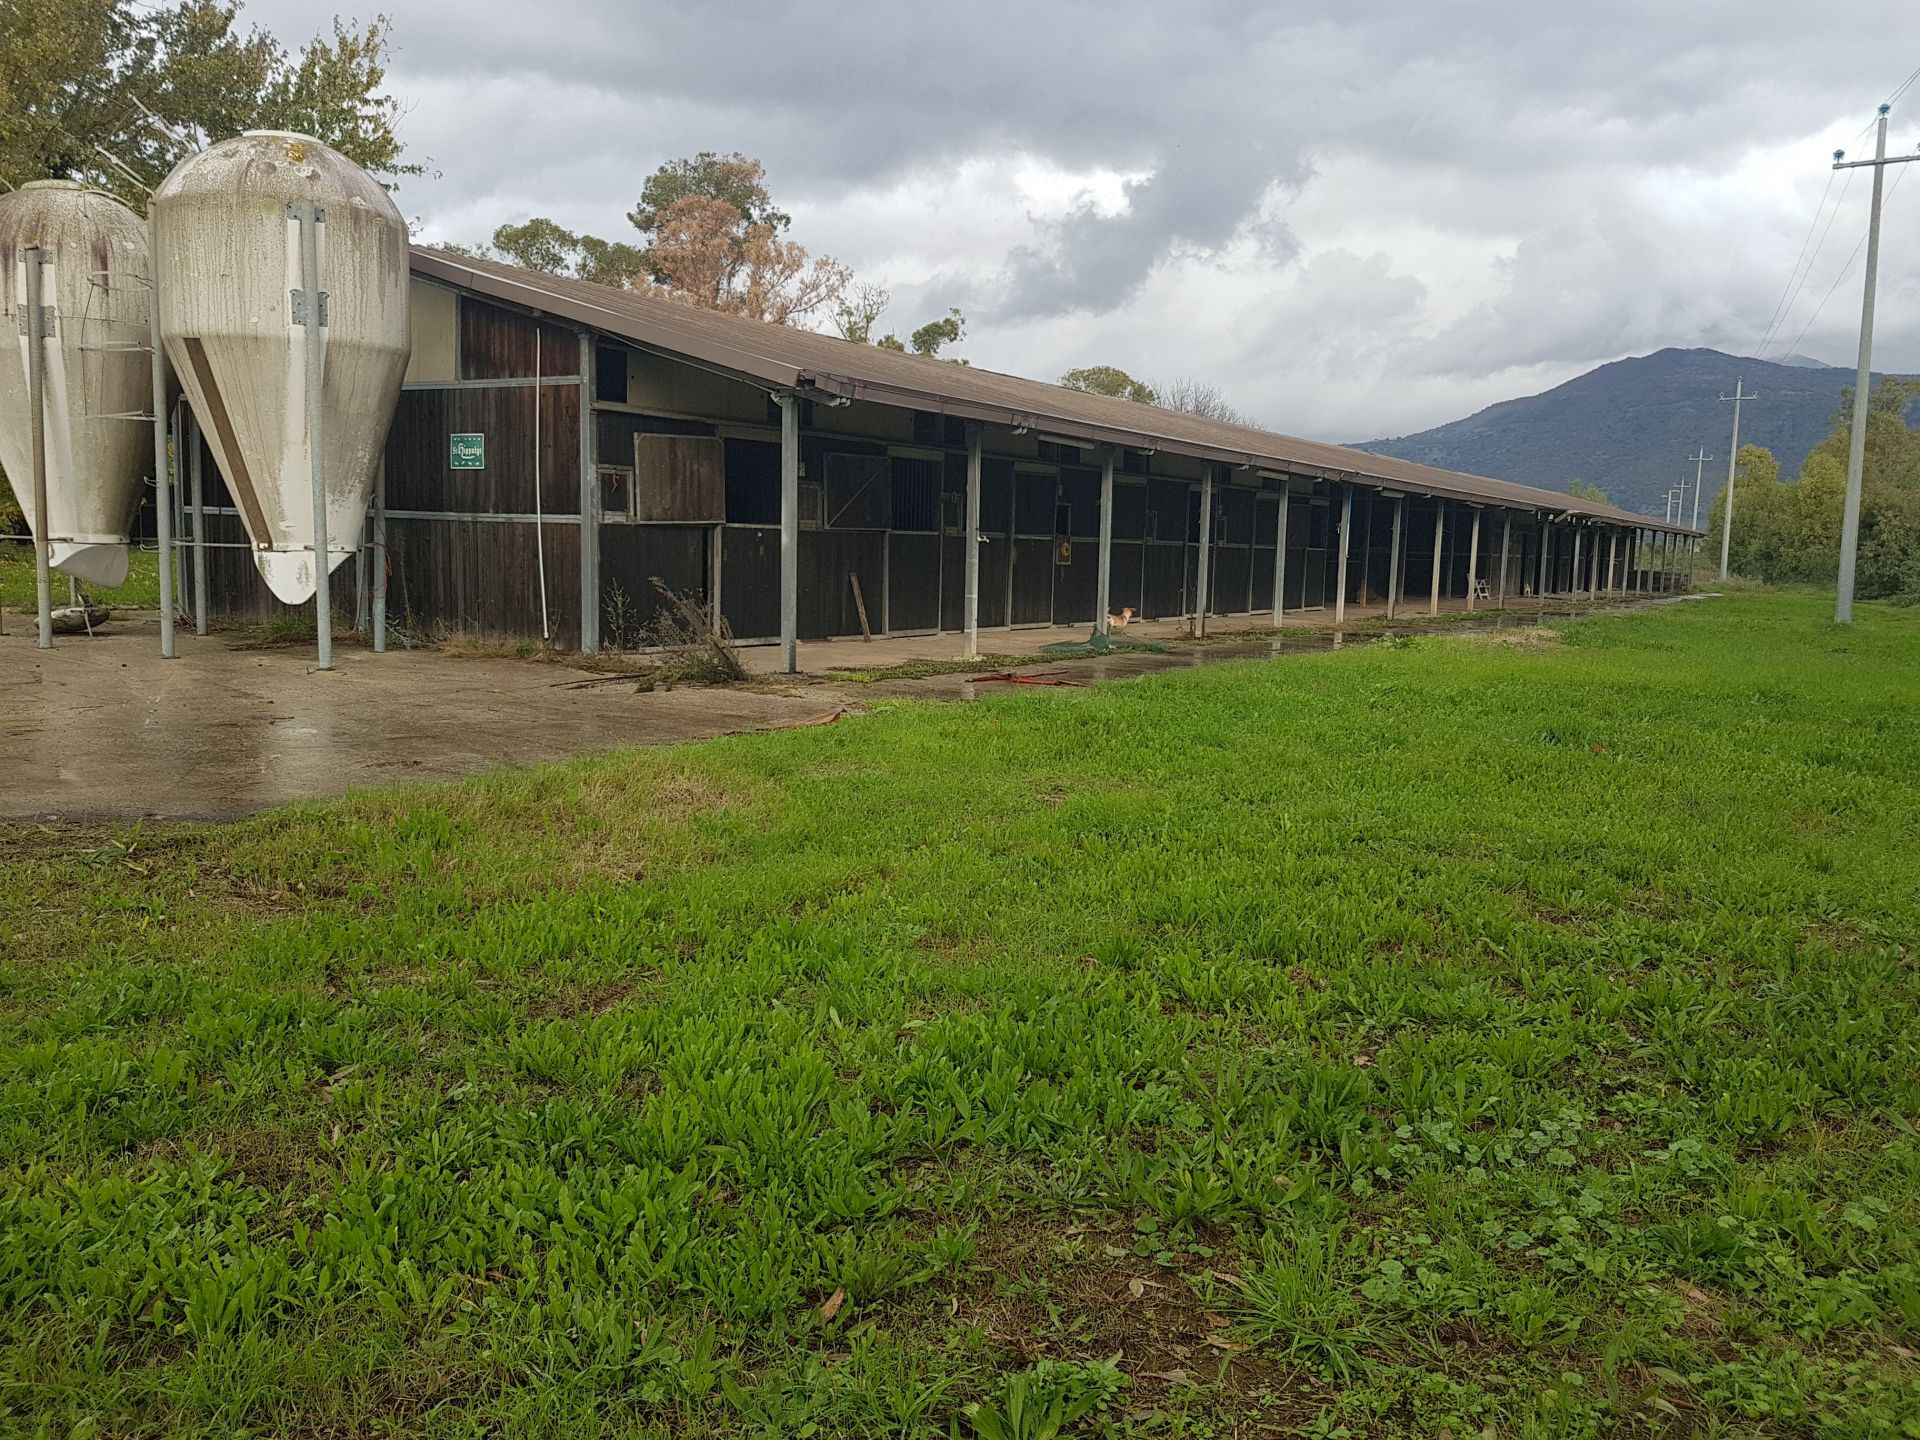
(98, 376)
(227, 247)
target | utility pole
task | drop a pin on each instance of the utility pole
(1699, 469)
(1857, 451)
(1733, 451)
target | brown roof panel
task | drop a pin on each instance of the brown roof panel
(785, 357)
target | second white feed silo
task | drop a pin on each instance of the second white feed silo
(98, 377)
(227, 250)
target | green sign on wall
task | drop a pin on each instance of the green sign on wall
(467, 452)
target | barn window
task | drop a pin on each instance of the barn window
(610, 374)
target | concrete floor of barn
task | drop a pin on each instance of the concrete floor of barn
(102, 728)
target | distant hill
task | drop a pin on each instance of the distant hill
(1629, 426)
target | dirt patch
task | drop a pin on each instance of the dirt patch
(1077, 1292)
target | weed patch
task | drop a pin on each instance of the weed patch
(1457, 1036)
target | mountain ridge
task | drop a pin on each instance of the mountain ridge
(1629, 425)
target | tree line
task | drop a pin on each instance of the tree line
(1787, 533)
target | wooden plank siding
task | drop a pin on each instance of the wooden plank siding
(498, 344)
(420, 477)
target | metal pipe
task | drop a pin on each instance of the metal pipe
(1203, 581)
(789, 532)
(1613, 550)
(971, 618)
(1439, 536)
(1546, 542)
(1573, 575)
(176, 441)
(1346, 528)
(1473, 560)
(195, 470)
(1280, 555)
(1394, 563)
(162, 479)
(36, 317)
(539, 507)
(589, 507)
(309, 216)
(1103, 606)
(380, 558)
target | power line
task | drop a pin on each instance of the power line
(1845, 270)
(1790, 289)
(1812, 260)
(1904, 85)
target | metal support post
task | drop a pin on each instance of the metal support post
(1613, 551)
(971, 618)
(589, 509)
(1546, 543)
(36, 317)
(1103, 607)
(1573, 575)
(182, 513)
(162, 478)
(380, 558)
(1346, 531)
(1203, 581)
(1473, 559)
(1439, 534)
(1393, 556)
(310, 216)
(198, 481)
(789, 532)
(1280, 555)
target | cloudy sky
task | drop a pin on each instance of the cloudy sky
(1356, 220)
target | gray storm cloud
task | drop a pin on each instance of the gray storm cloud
(1501, 193)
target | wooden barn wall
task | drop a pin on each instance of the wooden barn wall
(482, 578)
(498, 344)
(420, 477)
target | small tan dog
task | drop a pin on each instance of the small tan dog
(1118, 619)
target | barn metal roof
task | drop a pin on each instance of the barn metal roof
(786, 358)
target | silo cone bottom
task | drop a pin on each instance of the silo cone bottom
(102, 563)
(289, 573)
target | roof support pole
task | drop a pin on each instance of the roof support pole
(1593, 569)
(1439, 536)
(1506, 550)
(36, 319)
(1473, 560)
(1395, 564)
(789, 532)
(971, 619)
(1546, 543)
(1613, 548)
(1203, 581)
(1340, 578)
(378, 552)
(162, 486)
(1280, 555)
(1103, 599)
(1573, 576)
(589, 506)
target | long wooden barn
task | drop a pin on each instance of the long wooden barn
(559, 445)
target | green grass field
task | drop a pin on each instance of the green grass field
(141, 592)
(1437, 1037)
